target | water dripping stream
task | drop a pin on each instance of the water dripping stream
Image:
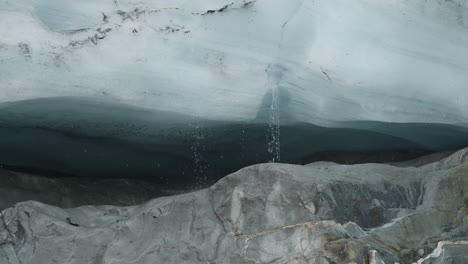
(274, 126)
(273, 80)
(197, 147)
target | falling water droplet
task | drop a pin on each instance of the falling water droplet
(274, 118)
(198, 149)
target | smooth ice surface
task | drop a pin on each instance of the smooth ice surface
(327, 60)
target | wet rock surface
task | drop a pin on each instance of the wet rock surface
(268, 213)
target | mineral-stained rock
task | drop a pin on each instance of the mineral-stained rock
(448, 252)
(268, 213)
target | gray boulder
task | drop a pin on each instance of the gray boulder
(267, 213)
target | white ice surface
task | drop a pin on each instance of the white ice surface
(337, 60)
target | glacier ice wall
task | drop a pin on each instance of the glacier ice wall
(334, 60)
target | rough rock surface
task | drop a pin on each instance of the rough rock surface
(268, 213)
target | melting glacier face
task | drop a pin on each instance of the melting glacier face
(83, 137)
(392, 61)
(174, 88)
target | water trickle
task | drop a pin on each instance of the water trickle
(197, 148)
(273, 135)
(275, 73)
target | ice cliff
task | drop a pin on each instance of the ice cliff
(189, 91)
(318, 61)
